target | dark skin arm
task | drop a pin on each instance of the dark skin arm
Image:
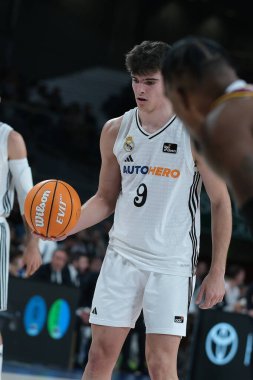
(228, 146)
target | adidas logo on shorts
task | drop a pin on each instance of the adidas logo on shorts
(179, 319)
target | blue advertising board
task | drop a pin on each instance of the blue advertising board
(41, 323)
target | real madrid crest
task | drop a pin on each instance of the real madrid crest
(129, 144)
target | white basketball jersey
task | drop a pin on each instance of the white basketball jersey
(6, 183)
(157, 216)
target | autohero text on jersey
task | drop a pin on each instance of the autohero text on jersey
(153, 170)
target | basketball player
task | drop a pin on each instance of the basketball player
(15, 174)
(217, 107)
(151, 177)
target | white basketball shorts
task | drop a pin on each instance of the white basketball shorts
(4, 262)
(123, 290)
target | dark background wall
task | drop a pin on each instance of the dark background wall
(51, 37)
(43, 39)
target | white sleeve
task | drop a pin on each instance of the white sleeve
(22, 178)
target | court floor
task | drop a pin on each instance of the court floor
(12, 376)
(18, 371)
(22, 371)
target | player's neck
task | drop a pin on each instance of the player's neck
(153, 120)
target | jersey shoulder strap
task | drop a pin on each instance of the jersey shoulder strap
(5, 129)
(244, 93)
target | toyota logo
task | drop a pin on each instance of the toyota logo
(221, 343)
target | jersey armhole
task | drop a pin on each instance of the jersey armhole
(124, 127)
(4, 140)
(188, 151)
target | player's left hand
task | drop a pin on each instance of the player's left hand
(212, 291)
(32, 258)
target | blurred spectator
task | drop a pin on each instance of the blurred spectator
(73, 268)
(234, 281)
(73, 244)
(47, 248)
(249, 299)
(16, 262)
(56, 271)
(106, 226)
(87, 287)
(39, 95)
(83, 267)
(78, 267)
(89, 282)
(97, 243)
(91, 242)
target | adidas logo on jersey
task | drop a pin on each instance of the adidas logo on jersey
(94, 311)
(179, 319)
(129, 159)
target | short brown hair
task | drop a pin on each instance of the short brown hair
(146, 57)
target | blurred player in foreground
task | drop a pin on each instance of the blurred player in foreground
(217, 108)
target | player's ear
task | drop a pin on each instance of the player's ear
(183, 95)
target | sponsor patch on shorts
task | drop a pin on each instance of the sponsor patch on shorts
(178, 319)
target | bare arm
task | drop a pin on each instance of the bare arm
(16, 146)
(212, 289)
(31, 255)
(228, 144)
(102, 204)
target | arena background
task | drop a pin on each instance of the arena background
(62, 76)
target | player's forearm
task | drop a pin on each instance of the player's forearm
(93, 211)
(221, 234)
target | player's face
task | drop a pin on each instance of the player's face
(148, 90)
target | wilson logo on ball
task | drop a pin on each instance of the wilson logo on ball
(52, 208)
(39, 216)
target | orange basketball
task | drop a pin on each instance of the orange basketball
(52, 208)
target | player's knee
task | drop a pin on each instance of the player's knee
(99, 354)
(161, 367)
(96, 356)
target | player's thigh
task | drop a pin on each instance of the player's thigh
(166, 302)
(118, 296)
